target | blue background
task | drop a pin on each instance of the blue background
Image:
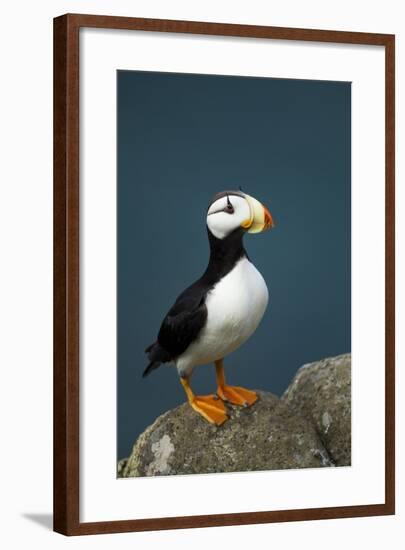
(183, 138)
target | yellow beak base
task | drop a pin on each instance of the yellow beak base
(260, 217)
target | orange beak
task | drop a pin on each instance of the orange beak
(268, 220)
(260, 217)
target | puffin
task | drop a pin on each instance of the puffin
(219, 312)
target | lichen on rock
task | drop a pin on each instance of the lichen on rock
(265, 436)
(321, 392)
(309, 427)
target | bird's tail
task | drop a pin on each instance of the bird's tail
(156, 355)
(152, 366)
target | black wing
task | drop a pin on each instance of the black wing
(180, 327)
(183, 323)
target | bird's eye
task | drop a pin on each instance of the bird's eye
(229, 208)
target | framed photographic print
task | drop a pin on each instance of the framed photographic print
(223, 274)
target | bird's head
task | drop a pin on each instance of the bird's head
(230, 211)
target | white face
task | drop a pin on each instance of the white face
(227, 214)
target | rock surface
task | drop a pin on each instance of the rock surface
(321, 392)
(120, 466)
(266, 436)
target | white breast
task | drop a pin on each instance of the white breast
(235, 308)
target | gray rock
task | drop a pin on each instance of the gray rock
(321, 392)
(120, 466)
(265, 436)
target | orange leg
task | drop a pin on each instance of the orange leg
(208, 406)
(233, 394)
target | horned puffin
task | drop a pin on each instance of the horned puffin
(221, 310)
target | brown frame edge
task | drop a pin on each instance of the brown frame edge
(66, 273)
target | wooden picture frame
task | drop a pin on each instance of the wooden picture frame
(67, 284)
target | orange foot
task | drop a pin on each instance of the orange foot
(210, 407)
(237, 395)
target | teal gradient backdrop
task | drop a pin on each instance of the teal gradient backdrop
(181, 139)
